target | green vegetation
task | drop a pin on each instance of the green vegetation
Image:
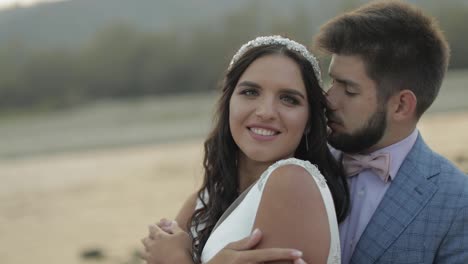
(126, 61)
(149, 120)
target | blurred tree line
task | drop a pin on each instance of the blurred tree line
(123, 62)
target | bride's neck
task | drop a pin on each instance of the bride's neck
(249, 172)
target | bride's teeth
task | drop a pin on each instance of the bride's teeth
(263, 132)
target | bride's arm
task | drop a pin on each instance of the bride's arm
(238, 252)
(172, 244)
(292, 214)
(185, 213)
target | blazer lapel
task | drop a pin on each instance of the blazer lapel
(404, 199)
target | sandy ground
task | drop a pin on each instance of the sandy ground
(54, 208)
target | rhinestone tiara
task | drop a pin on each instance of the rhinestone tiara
(279, 40)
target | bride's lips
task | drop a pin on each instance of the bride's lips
(262, 132)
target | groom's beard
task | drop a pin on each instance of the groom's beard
(364, 138)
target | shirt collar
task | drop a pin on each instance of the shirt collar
(398, 152)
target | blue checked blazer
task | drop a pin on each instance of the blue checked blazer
(423, 216)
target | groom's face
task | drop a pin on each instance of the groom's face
(357, 120)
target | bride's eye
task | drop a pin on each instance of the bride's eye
(249, 92)
(291, 100)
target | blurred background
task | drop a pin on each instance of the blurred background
(104, 105)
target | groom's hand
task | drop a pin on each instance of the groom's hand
(242, 252)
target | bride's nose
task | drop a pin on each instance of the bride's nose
(266, 109)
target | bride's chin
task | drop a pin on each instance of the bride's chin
(264, 157)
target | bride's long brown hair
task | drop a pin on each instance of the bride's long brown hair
(221, 181)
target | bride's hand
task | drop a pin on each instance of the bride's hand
(167, 225)
(169, 244)
(242, 252)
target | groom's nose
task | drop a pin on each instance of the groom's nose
(331, 99)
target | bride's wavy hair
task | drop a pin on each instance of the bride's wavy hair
(221, 181)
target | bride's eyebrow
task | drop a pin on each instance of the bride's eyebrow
(249, 84)
(293, 92)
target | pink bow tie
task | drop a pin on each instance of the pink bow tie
(379, 164)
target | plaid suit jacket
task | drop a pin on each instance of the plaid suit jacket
(423, 216)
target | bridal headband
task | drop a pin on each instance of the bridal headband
(279, 40)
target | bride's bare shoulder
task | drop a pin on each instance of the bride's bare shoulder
(293, 183)
(292, 213)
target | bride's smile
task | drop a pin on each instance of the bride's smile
(269, 109)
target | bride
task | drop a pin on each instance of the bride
(267, 166)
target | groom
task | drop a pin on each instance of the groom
(408, 204)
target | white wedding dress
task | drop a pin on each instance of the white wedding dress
(238, 220)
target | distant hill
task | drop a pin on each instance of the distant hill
(62, 54)
(71, 23)
(74, 22)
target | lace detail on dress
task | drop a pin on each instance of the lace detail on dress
(311, 168)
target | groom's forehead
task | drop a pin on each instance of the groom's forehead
(349, 69)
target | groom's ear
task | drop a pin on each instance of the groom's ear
(403, 105)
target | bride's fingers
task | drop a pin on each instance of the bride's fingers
(144, 256)
(163, 222)
(170, 227)
(166, 225)
(167, 229)
(146, 242)
(155, 231)
(175, 227)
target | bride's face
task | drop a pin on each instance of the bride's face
(269, 109)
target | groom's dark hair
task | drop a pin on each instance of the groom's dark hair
(402, 48)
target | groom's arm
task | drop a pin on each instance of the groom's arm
(162, 247)
(454, 248)
(242, 251)
(169, 248)
(168, 239)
